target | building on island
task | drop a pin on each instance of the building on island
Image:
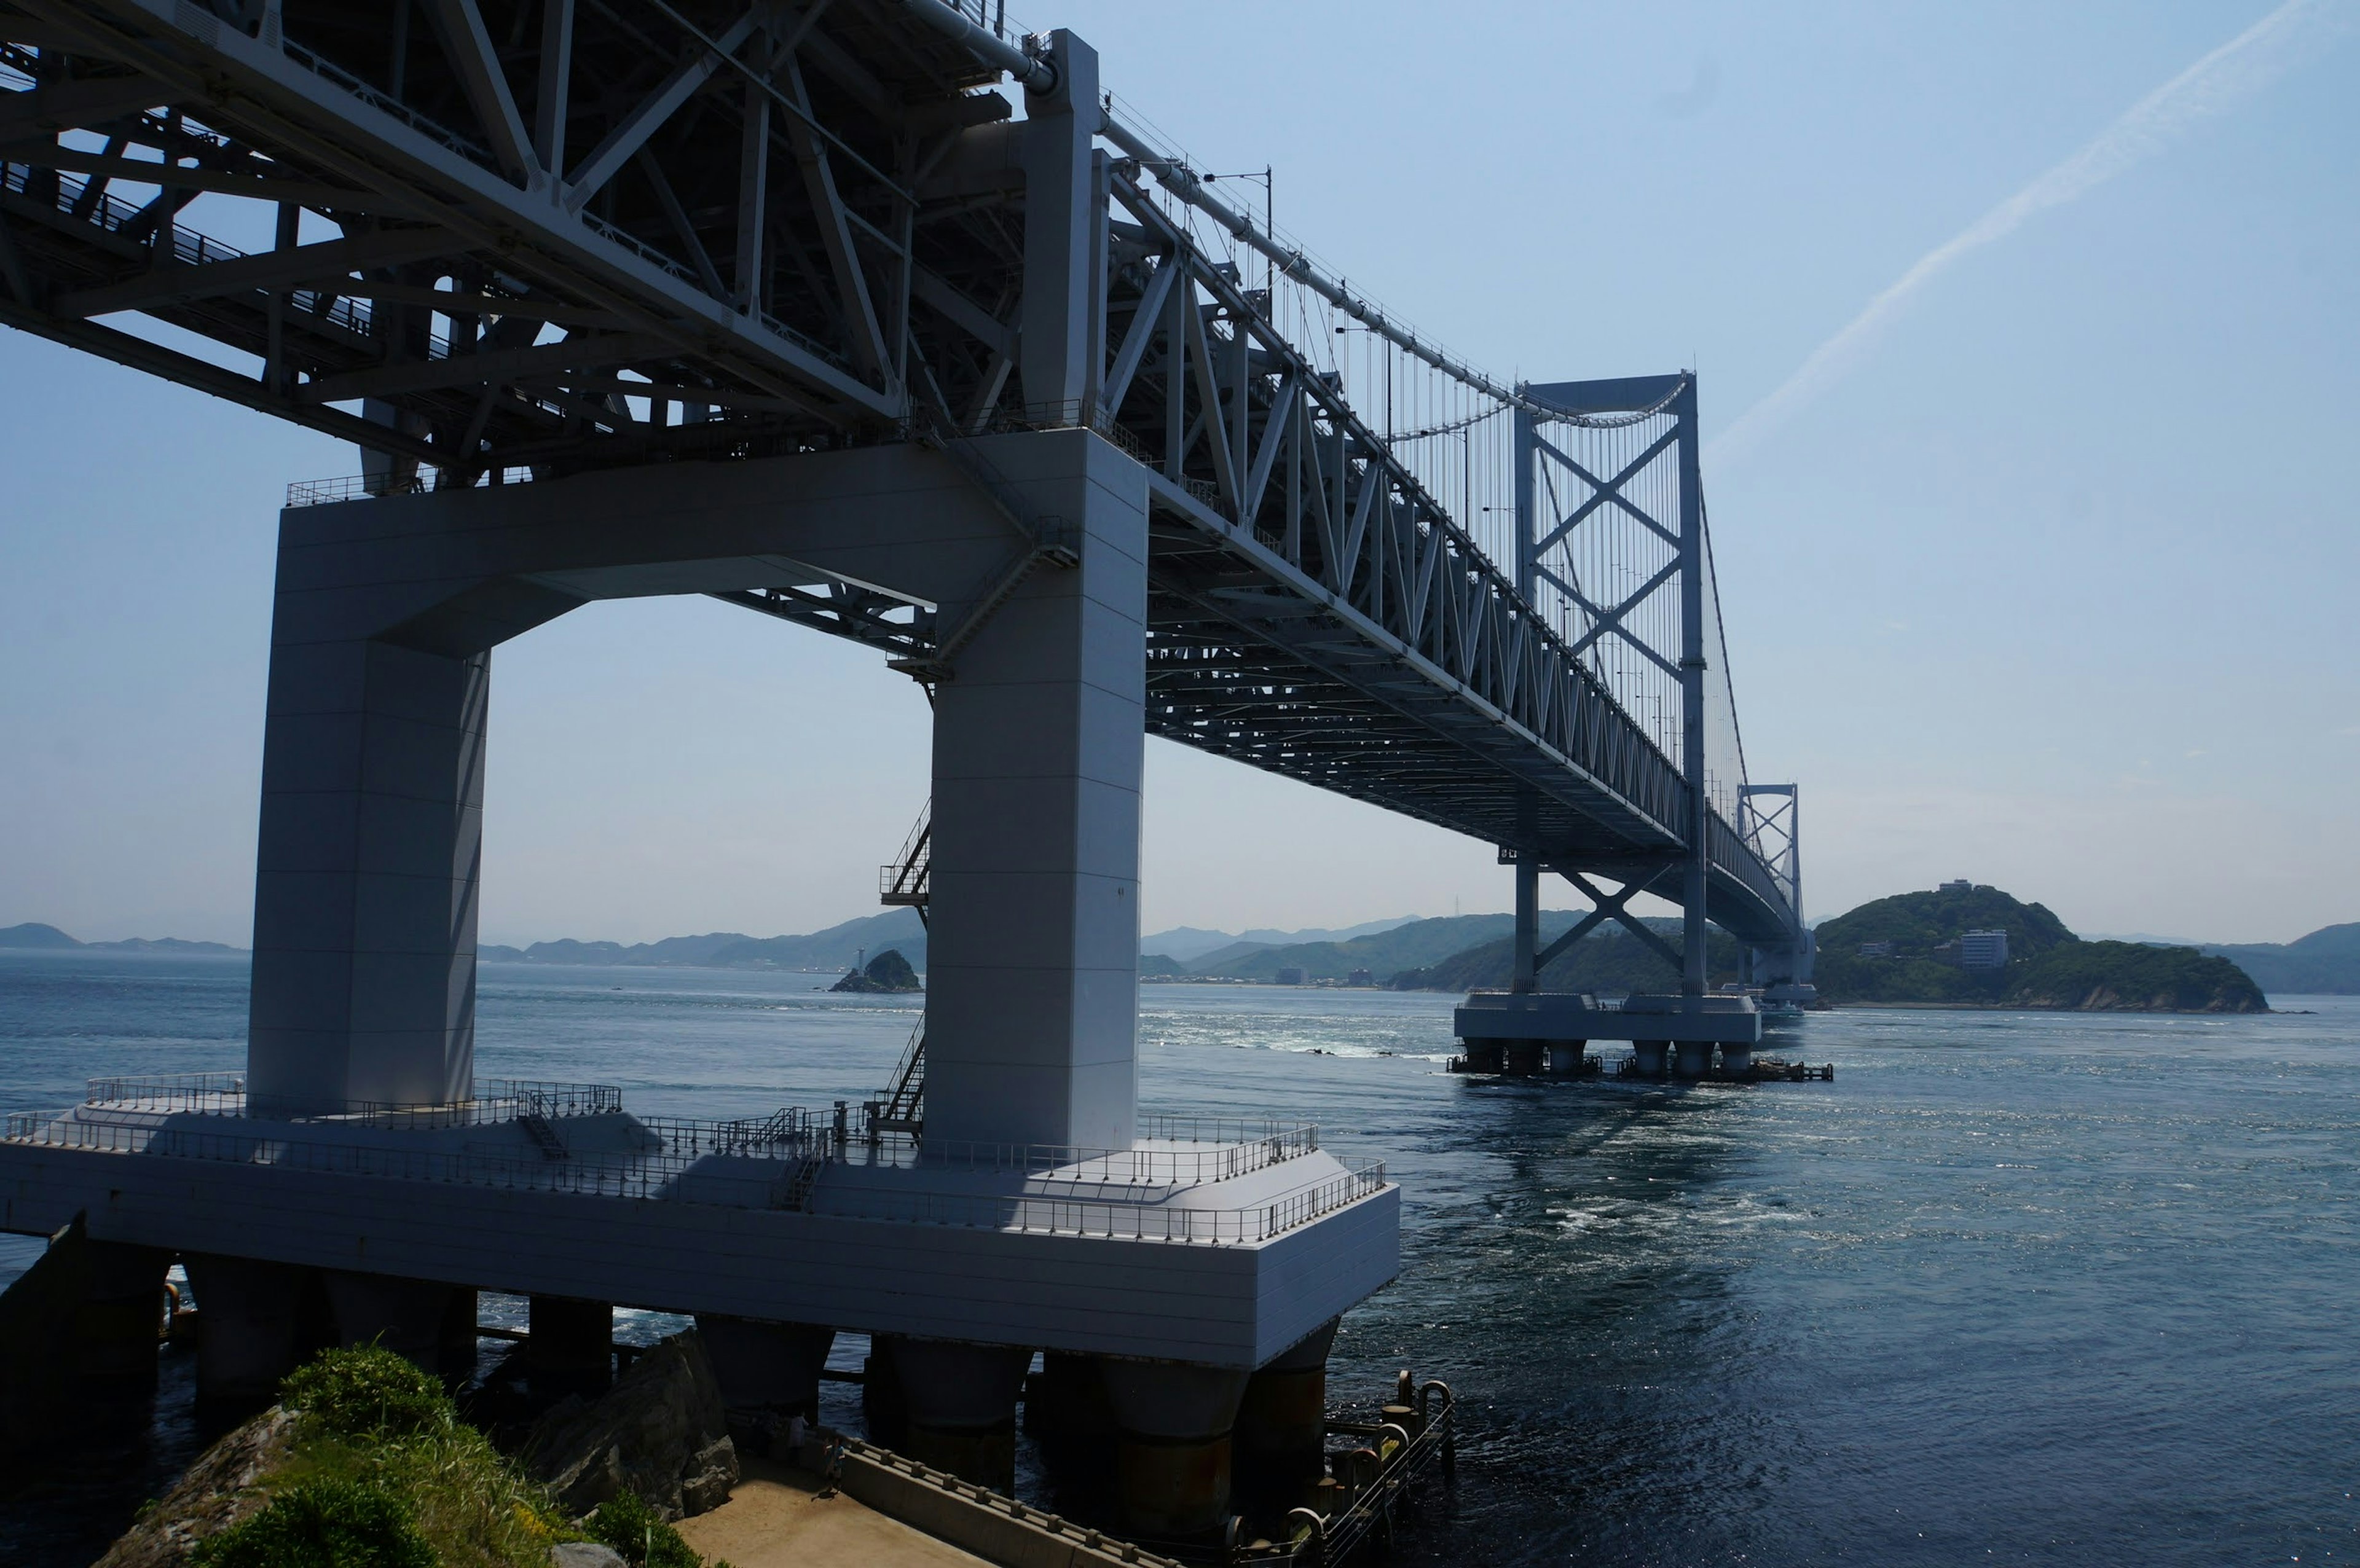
(1983, 949)
(1958, 885)
(1876, 950)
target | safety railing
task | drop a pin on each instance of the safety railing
(791, 1128)
(1222, 1149)
(202, 1092)
(371, 486)
(224, 1093)
(1113, 1219)
(743, 1175)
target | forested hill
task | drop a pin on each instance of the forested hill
(2048, 966)
(1915, 923)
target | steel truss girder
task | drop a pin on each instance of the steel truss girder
(290, 103)
(1310, 536)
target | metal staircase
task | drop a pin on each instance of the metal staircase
(903, 881)
(902, 1106)
(544, 1137)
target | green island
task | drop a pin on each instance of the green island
(1902, 950)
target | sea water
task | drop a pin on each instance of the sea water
(2014, 1287)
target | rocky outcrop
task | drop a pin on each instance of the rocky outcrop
(888, 972)
(662, 1431)
(218, 1491)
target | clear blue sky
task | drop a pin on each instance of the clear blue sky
(2046, 577)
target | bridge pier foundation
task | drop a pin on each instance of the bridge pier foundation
(1173, 1461)
(247, 1327)
(1280, 1439)
(425, 1322)
(959, 1405)
(1564, 1057)
(570, 1344)
(766, 1369)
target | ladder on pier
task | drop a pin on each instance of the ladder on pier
(903, 883)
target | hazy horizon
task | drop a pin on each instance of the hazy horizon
(2026, 443)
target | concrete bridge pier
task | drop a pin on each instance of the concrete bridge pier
(423, 1321)
(114, 1325)
(959, 1404)
(765, 1370)
(1736, 1058)
(570, 1344)
(1692, 1059)
(1173, 1458)
(249, 1327)
(1279, 1441)
(1564, 1057)
(1647, 1057)
(1067, 1414)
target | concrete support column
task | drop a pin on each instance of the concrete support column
(371, 843)
(1523, 1058)
(412, 1318)
(1065, 1411)
(1564, 1057)
(1524, 972)
(1486, 1056)
(117, 1327)
(960, 1404)
(1647, 1056)
(1736, 1058)
(1173, 1461)
(1032, 975)
(246, 1326)
(1692, 1059)
(570, 1344)
(1281, 1436)
(766, 1369)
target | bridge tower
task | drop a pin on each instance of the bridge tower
(1612, 545)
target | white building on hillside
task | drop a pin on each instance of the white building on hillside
(1983, 949)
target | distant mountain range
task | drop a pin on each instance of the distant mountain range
(32, 934)
(2325, 963)
(1456, 953)
(833, 949)
(1196, 946)
(1392, 948)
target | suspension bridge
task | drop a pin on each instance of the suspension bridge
(883, 318)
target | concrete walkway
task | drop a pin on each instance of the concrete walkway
(773, 1521)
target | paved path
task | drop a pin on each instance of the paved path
(772, 1520)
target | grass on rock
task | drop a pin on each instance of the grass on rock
(383, 1474)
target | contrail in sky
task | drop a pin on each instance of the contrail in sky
(2213, 86)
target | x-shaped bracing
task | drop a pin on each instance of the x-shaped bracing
(1605, 907)
(1608, 619)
